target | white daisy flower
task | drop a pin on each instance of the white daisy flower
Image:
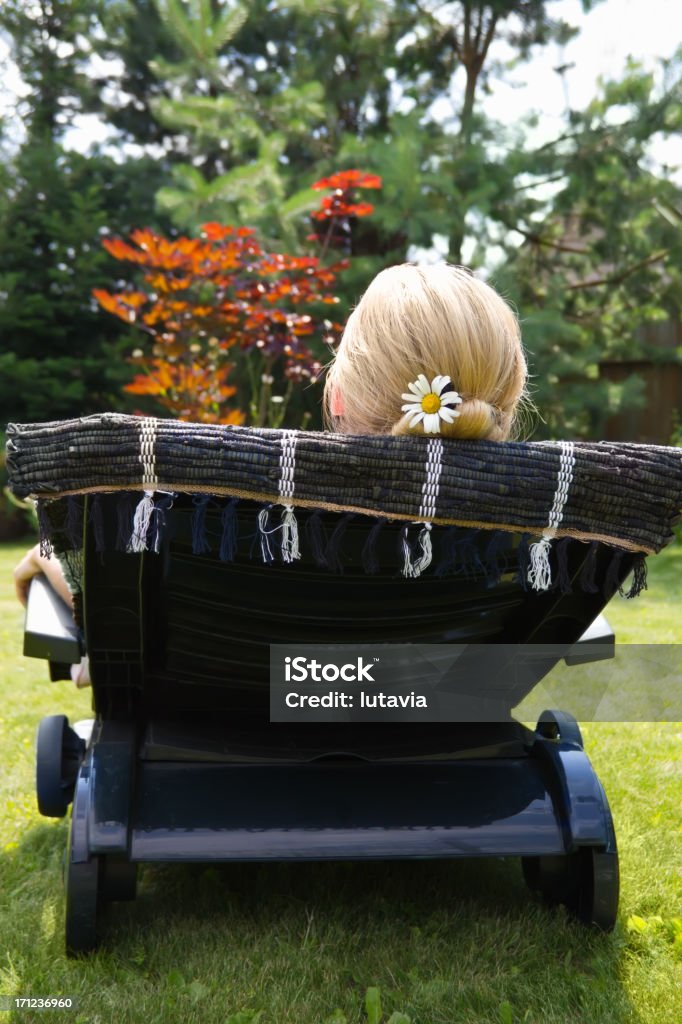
(431, 402)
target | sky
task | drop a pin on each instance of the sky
(612, 31)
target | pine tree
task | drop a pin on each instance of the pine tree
(58, 355)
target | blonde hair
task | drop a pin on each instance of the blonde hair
(431, 320)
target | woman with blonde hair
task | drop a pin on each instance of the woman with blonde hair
(428, 350)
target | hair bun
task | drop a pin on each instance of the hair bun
(477, 421)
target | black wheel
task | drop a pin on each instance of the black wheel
(118, 879)
(554, 725)
(59, 752)
(553, 877)
(585, 882)
(597, 903)
(82, 901)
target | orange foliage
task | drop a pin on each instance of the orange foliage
(198, 298)
(347, 180)
(189, 390)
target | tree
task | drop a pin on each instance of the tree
(58, 357)
(129, 36)
(602, 258)
(236, 133)
(251, 103)
(273, 95)
(48, 44)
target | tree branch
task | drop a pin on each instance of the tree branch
(479, 27)
(530, 236)
(544, 181)
(489, 37)
(618, 278)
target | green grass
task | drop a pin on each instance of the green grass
(457, 942)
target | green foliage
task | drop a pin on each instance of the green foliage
(602, 259)
(49, 46)
(250, 103)
(271, 108)
(237, 134)
(58, 356)
(245, 194)
(131, 33)
(201, 30)
(588, 268)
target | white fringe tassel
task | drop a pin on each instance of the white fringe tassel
(415, 568)
(290, 548)
(540, 571)
(141, 521)
(266, 550)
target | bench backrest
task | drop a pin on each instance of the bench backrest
(183, 633)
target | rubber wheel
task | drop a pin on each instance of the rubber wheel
(585, 882)
(59, 752)
(118, 879)
(82, 903)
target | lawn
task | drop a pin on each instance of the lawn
(459, 942)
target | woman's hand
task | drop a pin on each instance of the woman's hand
(31, 565)
(24, 572)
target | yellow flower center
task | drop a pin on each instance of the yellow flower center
(431, 403)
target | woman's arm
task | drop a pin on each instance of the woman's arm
(34, 563)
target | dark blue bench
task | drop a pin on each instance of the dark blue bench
(184, 763)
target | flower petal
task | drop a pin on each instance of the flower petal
(416, 419)
(432, 423)
(447, 414)
(412, 407)
(423, 385)
(450, 398)
(443, 381)
(415, 389)
(409, 396)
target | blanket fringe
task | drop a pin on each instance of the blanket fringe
(141, 524)
(370, 559)
(639, 578)
(494, 564)
(141, 521)
(317, 538)
(523, 561)
(563, 577)
(611, 584)
(74, 522)
(200, 542)
(264, 533)
(229, 536)
(588, 570)
(124, 518)
(414, 567)
(45, 528)
(333, 549)
(540, 572)
(96, 520)
(290, 546)
(461, 556)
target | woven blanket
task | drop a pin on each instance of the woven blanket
(626, 495)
